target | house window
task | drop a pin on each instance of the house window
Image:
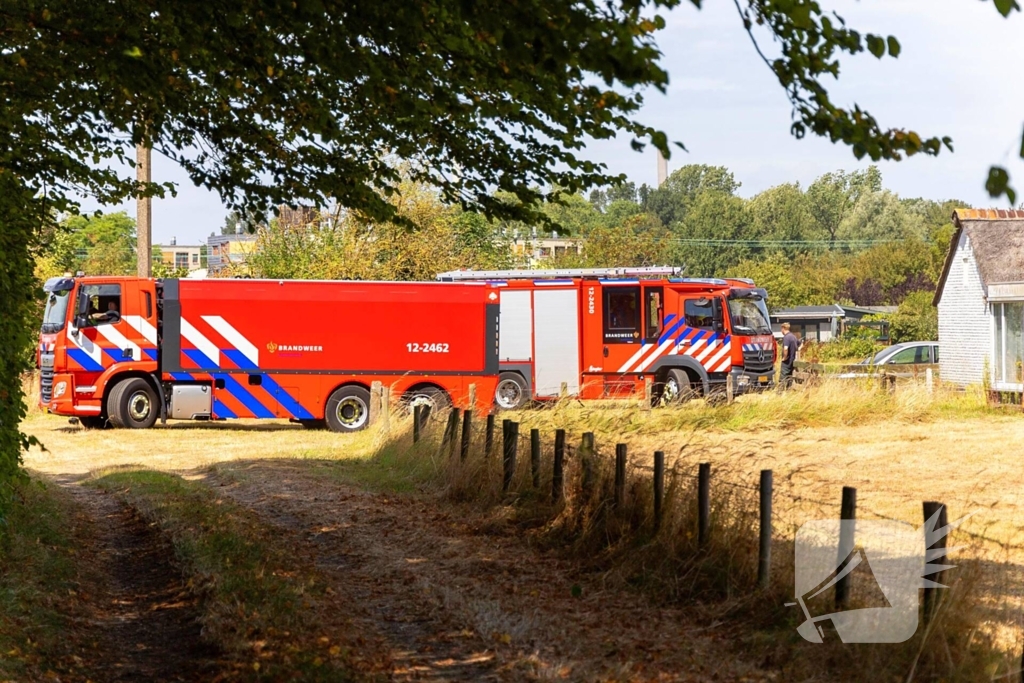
(195, 259)
(1008, 343)
(181, 259)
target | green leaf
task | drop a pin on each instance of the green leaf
(894, 46)
(998, 184)
(876, 45)
(1006, 6)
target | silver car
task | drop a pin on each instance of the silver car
(906, 353)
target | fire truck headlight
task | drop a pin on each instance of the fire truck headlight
(743, 380)
(59, 389)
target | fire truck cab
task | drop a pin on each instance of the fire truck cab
(596, 333)
(127, 351)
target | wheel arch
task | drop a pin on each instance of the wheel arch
(692, 368)
(120, 377)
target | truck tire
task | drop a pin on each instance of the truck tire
(678, 388)
(133, 404)
(511, 392)
(436, 398)
(348, 409)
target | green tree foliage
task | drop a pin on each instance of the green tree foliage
(636, 240)
(713, 236)
(672, 200)
(348, 246)
(833, 195)
(775, 273)
(916, 319)
(782, 213)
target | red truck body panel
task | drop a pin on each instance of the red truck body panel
(602, 337)
(273, 349)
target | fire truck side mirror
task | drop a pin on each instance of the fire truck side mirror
(718, 321)
(80, 322)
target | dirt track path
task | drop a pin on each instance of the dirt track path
(454, 603)
(140, 622)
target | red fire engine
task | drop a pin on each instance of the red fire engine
(599, 333)
(126, 351)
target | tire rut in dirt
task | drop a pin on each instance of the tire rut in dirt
(384, 598)
(144, 621)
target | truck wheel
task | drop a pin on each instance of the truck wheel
(348, 409)
(133, 404)
(433, 397)
(510, 393)
(678, 388)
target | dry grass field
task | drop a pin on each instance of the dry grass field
(897, 449)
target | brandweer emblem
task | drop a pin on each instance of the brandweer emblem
(300, 348)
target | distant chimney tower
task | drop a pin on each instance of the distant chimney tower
(662, 168)
(174, 241)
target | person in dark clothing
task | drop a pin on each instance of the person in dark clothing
(789, 350)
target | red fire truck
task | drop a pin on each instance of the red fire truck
(127, 351)
(601, 332)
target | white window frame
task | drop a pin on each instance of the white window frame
(998, 362)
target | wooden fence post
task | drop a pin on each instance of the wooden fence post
(375, 402)
(587, 464)
(511, 445)
(385, 409)
(764, 558)
(703, 503)
(730, 391)
(489, 436)
(472, 396)
(659, 487)
(620, 475)
(847, 539)
(563, 390)
(648, 394)
(535, 457)
(467, 433)
(931, 597)
(557, 472)
(929, 380)
(588, 441)
(451, 431)
(416, 422)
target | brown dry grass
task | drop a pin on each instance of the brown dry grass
(897, 449)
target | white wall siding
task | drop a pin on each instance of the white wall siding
(965, 326)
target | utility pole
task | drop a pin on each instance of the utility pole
(662, 168)
(144, 221)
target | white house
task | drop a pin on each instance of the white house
(980, 298)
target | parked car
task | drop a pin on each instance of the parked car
(903, 359)
(906, 353)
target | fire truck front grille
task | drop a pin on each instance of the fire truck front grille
(46, 385)
(757, 361)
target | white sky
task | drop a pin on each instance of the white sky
(957, 76)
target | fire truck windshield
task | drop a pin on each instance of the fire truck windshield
(749, 316)
(56, 310)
